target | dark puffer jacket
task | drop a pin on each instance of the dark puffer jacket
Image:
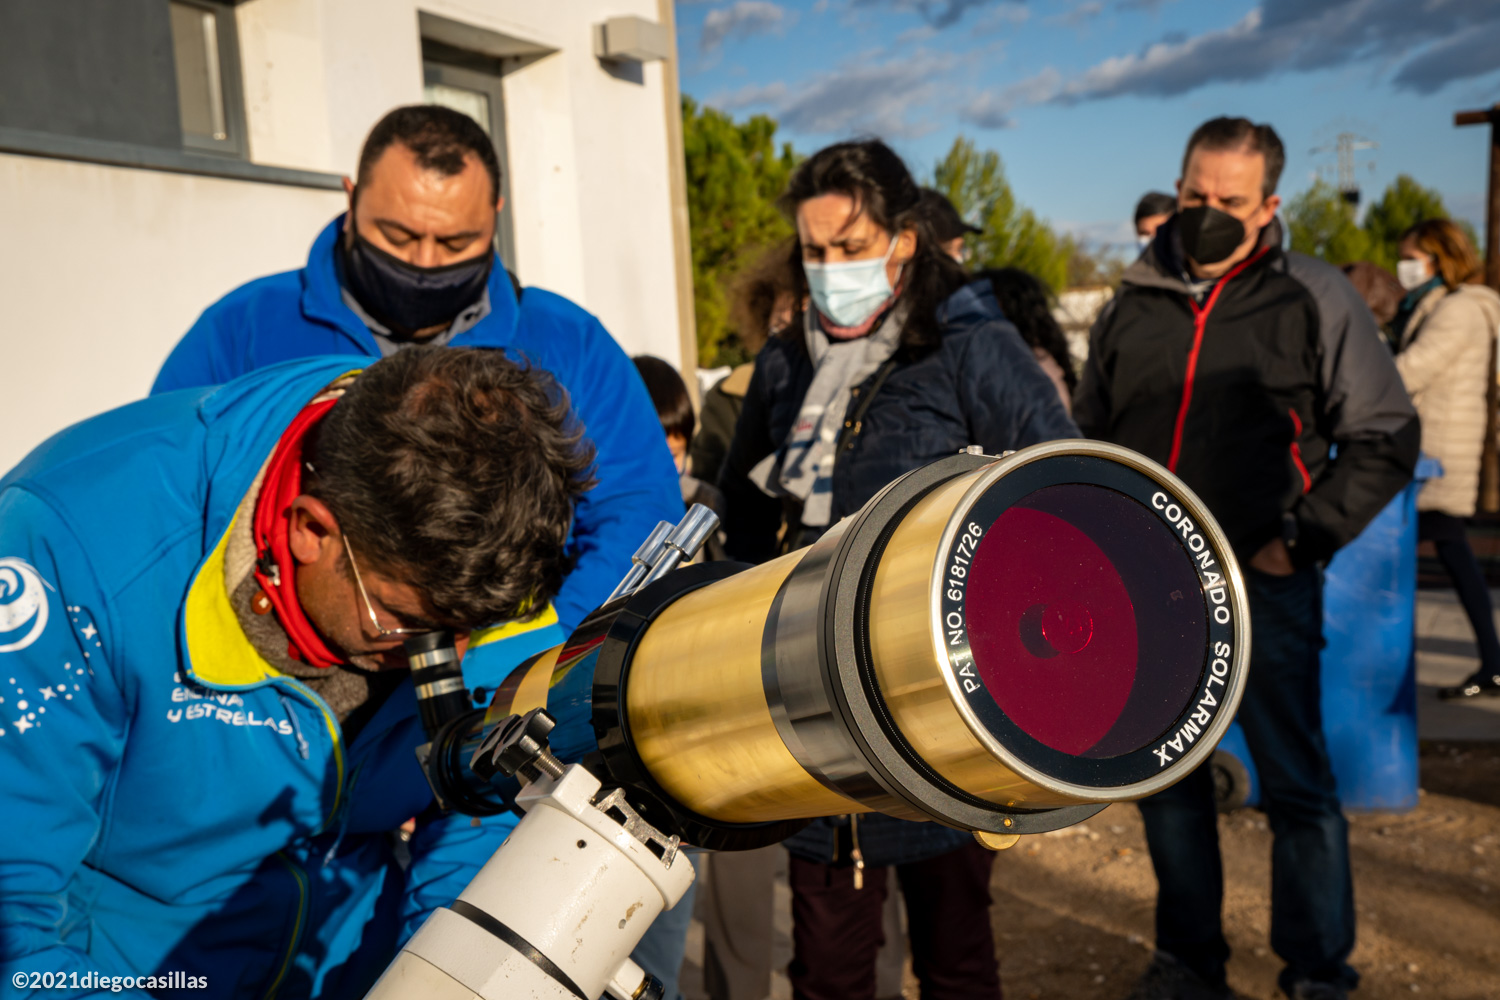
(1245, 393)
(981, 386)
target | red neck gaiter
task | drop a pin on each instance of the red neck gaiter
(275, 569)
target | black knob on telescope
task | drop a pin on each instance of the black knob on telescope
(518, 747)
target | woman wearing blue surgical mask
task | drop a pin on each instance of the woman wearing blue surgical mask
(897, 361)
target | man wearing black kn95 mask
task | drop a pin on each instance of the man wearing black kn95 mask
(1256, 375)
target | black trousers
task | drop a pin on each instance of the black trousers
(1449, 537)
(1312, 888)
(837, 928)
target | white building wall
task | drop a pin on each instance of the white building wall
(104, 268)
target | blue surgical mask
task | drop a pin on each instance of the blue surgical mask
(850, 292)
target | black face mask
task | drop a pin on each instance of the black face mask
(405, 298)
(1209, 235)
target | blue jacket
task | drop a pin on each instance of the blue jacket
(171, 802)
(301, 314)
(981, 385)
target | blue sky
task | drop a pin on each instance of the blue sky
(1089, 102)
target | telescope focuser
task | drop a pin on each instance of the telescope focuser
(667, 547)
(518, 748)
(645, 557)
(684, 542)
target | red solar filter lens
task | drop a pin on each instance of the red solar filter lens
(1086, 620)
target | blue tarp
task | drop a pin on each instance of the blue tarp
(1369, 666)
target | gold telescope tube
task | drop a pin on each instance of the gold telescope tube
(1000, 645)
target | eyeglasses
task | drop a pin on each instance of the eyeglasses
(384, 633)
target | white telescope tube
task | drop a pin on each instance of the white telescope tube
(555, 913)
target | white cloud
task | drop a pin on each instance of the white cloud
(866, 95)
(920, 33)
(993, 108)
(741, 20)
(1080, 14)
(1432, 44)
(1002, 15)
(938, 13)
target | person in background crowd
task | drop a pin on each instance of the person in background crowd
(674, 408)
(1239, 366)
(1154, 208)
(762, 303)
(1446, 330)
(1380, 290)
(413, 262)
(1026, 302)
(948, 227)
(899, 361)
(221, 726)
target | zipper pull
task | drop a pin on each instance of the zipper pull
(855, 854)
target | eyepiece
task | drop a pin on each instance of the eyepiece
(437, 677)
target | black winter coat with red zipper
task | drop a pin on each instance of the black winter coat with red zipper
(1245, 392)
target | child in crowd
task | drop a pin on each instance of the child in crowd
(675, 409)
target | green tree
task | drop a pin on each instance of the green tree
(1322, 222)
(1322, 225)
(1404, 204)
(1093, 264)
(734, 174)
(1013, 236)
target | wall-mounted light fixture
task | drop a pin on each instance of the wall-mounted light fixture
(633, 39)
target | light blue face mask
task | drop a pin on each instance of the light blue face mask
(850, 292)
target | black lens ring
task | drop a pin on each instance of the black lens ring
(617, 760)
(445, 767)
(1148, 761)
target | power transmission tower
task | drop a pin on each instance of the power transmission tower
(1346, 145)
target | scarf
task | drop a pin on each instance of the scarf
(803, 466)
(275, 569)
(1408, 308)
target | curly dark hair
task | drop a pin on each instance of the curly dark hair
(872, 174)
(440, 137)
(769, 281)
(456, 471)
(1027, 302)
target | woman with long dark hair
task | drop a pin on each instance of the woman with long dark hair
(897, 362)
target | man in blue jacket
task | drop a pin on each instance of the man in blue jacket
(206, 727)
(412, 262)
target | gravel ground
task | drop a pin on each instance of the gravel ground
(1073, 910)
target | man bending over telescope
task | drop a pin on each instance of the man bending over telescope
(206, 733)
